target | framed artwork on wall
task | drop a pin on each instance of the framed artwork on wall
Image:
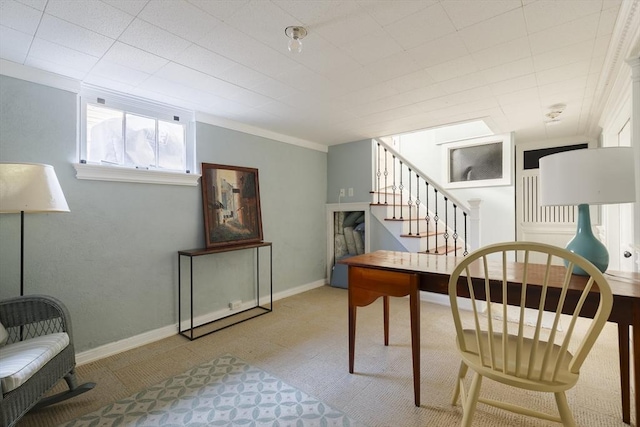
(480, 162)
(231, 203)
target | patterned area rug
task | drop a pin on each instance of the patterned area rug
(224, 392)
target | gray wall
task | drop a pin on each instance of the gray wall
(382, 239)
(350, 166)
(113, 258)
(293, 182)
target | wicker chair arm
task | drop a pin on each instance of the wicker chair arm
(27, 317)
(34, 315)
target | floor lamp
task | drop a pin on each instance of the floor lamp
(586, 177)
(29, 188)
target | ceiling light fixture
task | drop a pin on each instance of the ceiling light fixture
(554, 114)
(295, 34)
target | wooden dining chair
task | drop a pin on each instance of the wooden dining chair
(535, 345)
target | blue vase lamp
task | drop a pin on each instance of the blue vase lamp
(586, 244)
(585, 177)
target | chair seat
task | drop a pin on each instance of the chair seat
(20, 360)
(564, 379)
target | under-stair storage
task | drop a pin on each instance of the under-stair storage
(347, 224)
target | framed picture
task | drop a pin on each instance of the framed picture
(231, 202)
(480, 162)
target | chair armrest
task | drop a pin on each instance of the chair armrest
(34, 315)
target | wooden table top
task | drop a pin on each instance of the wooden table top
(623, 284)
(225, 248)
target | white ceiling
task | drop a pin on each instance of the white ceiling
(369, 68)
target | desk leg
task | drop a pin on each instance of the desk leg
(414, 302)
(352, 335)
(636, 360)
(385, 303)
(365, 287)
(625, 380)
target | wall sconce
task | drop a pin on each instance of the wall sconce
(295, 34)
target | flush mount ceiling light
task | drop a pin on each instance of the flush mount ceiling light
(554, 113)
(295, 34)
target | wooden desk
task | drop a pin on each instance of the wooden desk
(386, 273)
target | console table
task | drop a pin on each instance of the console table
(192, 331)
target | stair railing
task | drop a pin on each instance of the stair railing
(441, 212)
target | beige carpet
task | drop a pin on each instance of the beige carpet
(304, 343)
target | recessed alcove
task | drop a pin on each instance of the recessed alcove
(356, 216)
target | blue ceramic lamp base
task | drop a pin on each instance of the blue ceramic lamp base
(586, 244)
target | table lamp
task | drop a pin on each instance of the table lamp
(30, 188)
(586, 177)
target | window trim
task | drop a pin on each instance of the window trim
(120, 173)
(125, 174)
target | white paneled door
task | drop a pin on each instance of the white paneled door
(618, 219)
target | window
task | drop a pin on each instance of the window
(123, 138)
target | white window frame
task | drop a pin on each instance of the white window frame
(131, 104)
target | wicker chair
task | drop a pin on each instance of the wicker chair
(26, 318)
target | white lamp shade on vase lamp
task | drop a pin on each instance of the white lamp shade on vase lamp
(588, 177)
(29, 188)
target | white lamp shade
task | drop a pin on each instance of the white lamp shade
(30, 187)
(590, 176)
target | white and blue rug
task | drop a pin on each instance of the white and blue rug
(224, 392)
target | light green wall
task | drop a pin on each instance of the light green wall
(113, 258)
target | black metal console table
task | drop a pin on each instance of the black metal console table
(197, 331)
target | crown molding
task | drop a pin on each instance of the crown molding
(34, 75)
(253, 130)
(614, 78)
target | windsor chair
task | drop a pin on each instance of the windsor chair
(535, 346)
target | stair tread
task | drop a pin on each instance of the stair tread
(390, 204)
(389, 190)
(422, 235)
(443, 250)
(404, 219)
(411, 215)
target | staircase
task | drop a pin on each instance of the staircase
(421, 215)
(416, 234)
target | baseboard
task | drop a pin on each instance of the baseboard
(440, 299)
(443, 299)
(116, 347)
